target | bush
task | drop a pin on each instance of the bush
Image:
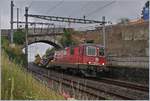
(14, 53)
(19, 37)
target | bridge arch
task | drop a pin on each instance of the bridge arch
(44, 39)
(47, 42)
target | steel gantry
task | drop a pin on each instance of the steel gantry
(65, 19)
(32, 23)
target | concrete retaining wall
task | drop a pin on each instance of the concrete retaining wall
(126, 45)
(128, 40)
(135, 62)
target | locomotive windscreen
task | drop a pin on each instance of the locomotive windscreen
(101, 51)
(91, 51)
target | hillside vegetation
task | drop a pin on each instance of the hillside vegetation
(18, 84)
(14, 53)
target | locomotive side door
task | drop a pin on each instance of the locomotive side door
(81, 53)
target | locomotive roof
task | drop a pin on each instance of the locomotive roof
(91, 44)
(85, 44)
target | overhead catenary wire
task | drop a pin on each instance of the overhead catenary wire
(21, 9)
(30, 4)
(54, 7)
(82, 8)
(98, 9)
(84, 5)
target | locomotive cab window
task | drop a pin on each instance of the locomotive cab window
(101, 51)
(91, 51)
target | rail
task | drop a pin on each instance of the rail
(102, 90)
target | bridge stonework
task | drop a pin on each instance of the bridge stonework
(45, 38)
(49, 36)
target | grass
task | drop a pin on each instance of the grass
(17, 84)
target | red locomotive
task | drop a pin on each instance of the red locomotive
(87, 59)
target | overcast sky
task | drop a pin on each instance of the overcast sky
(92, 9)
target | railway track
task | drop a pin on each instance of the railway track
(125, 84)
(68, 83)
(101, 89)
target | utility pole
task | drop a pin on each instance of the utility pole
(11, 22)
(104, 35)
(84, 17)
(54, 33)
(26, 30)
(17, 17)
(85, 32)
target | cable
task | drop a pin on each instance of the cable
(98, 9)
(80, 8)
(30, 4)
(83, 7)
(54, 7)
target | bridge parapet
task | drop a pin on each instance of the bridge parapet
(45, 31)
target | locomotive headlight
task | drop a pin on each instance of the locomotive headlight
(89, 62)
(103, 64)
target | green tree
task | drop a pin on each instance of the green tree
(67, 39)
(19, 37)
(49, 50)
(123, 20)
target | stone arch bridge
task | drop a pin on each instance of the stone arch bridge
(50, 37)
(45, 38)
